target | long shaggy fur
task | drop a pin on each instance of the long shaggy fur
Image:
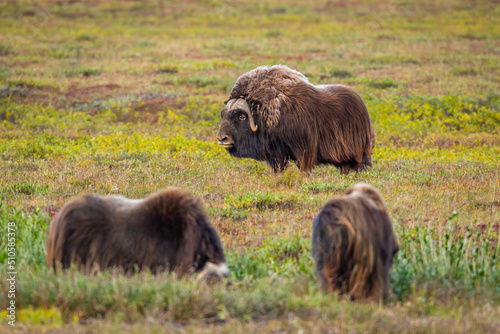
(311, 125)
(166, 231)
(354, 243)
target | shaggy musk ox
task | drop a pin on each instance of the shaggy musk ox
(353, 244)
(166, 231)
(275, 115)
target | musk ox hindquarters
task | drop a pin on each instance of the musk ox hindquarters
(353, 244)
(275, 115)
(166, 231)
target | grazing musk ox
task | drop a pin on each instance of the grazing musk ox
(353, 244)
(166, 231)
(275, 115)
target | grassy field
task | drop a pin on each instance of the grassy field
(124, 97)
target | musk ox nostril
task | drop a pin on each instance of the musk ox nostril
(222, 140)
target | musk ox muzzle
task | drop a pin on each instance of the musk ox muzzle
(353, 244)
(168, 231)
(275, 115)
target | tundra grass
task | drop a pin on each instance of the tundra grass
(124, 98)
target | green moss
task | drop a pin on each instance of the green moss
(85, 72)
(383, 83)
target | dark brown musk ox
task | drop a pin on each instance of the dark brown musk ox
(275, 115)
(167, 231)
(353, 244)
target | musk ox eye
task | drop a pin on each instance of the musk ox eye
(243, 117)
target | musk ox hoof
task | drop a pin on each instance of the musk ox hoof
(353, 244)
(168, 231)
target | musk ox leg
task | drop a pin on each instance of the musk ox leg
(367, 161)
(304, 168)
(278, 165)
(345, 169)
(355, 165)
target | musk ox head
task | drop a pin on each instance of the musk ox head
(275, 115)
(166, 231)
(354, 244)
(238, 130)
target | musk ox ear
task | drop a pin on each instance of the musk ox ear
(254, 106)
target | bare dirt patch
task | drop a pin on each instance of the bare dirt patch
(90, 92)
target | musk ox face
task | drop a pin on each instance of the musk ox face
(166, 231)
(354, 244)
(239, 130)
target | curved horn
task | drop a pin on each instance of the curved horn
(243, 105)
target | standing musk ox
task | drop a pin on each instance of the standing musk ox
(275, 115)
(166, 231)
(353, 244)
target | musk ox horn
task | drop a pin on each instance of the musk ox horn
(243, 105)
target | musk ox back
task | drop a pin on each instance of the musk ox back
(353, 244)
(166, 231)
(275, 115)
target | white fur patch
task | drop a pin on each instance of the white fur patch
(218, 269)
(123, 203)
(360, 189)
(210, 269)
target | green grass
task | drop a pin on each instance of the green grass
(124, 98)
(268, 281)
